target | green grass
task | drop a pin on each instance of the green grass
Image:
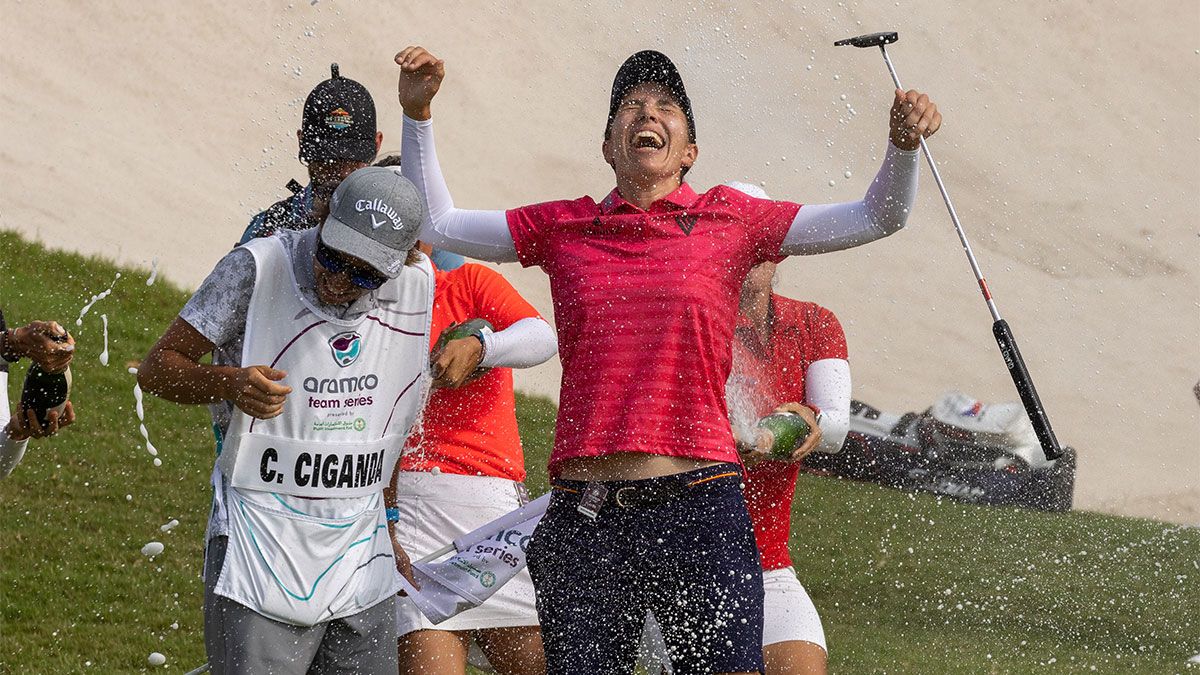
(905, 584)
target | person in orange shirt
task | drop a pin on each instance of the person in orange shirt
(464, 467)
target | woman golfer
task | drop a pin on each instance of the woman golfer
(648, 513)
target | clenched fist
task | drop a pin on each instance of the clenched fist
(421, 76)
(256, 391)
(913, 116)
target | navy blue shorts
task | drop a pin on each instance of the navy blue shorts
(690, 558)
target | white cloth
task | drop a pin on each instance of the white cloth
(218, 308)
(818, 228)
(357, 386)
(788, 612)
(11, 451)
(997, 425)
(436, 509)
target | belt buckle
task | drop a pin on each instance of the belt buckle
(618, 497)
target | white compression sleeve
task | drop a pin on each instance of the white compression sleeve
(827, 386)
(11, 451)
(822, 228)
(482, 235)
(526, 343)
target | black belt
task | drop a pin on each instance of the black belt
(648, 492)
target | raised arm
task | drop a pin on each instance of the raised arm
(483, 235)
(822, 228)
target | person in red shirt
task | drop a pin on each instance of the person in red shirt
(464, 467)
(787, 351)
(787, 355)
(647, 513)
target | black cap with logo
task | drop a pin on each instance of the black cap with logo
(649, 66)
(339, 121)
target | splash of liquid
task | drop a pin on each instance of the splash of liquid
(104, 354)
(96, 298)
(153, 272)
(141, 415)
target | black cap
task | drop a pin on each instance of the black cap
(339, 121)
(650, 66)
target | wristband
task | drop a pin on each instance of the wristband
(393, 514)
(5, 341)
(6, 351)
(482, 347)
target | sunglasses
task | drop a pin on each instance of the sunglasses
(334, 263)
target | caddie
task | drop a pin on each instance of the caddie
(320, 343)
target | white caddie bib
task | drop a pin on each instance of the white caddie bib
(307, 537)
(357, 386)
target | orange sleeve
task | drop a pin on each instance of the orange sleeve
(495, 299)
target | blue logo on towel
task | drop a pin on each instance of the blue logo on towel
(345, 347)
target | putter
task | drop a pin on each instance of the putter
(1004, 336)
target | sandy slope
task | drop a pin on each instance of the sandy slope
(1070, 141)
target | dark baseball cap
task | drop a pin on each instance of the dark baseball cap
(339, 121)
(375, 216)
(649, 66)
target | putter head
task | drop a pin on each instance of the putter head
(872, 40)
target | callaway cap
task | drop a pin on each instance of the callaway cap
(374, 215)
(339, 121)
(649, 66)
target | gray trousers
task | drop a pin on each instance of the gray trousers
(240, 641)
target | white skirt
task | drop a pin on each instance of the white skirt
(788, 612)
(436, 508)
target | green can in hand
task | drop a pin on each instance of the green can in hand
(456, 331)
(788, 430)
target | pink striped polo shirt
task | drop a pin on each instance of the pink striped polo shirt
(645, 303)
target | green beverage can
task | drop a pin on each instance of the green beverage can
(788, 430)
(456, 331)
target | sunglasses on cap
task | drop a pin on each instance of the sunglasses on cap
(332, 261)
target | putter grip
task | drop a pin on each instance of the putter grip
(1029, 395)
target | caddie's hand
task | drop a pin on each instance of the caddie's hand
(403, 562)
(455, 364)
(913, 116)
(45, 343)
(256, 391)
(24, 424)
(813, 439)
(421, 76)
